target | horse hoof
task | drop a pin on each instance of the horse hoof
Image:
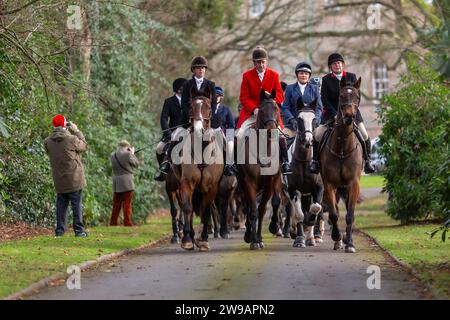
(350, 249)
(187, 245)
(286, 235)
(310, 242)
(254, 246)
(279, 233)
(247, 237)
(225, 235)
(175, 239)
(237, 226)
(299, 243)
(261, 244)
(216, 235)
(318, 239)
(338, 245)
(293, 235)
(204, 246)
(273, 228)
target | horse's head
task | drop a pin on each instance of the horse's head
(200, 108)
(267, 117)
(306, 121)
(349, 98)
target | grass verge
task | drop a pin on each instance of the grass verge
(409, 243)
(24, 262)
(371, 181)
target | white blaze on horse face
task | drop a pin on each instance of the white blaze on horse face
(198, 123)
(307, 118)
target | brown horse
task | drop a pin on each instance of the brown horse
(199, 182)
(342, 159)
(251, 180)
(173, 193)
(302, 181)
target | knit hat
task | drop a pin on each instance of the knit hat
(259, 53)
(333, 58)
(177, 84)
(219, 91)
(199, 61)
(59, 121)
(303, 66)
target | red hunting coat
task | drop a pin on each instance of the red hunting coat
(251, 88)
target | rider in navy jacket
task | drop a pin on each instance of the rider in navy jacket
(294, 91)
(223, 112)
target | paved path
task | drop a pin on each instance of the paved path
(231, 271)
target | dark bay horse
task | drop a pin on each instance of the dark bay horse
(342, 163)
(302, 185)
(173, 193)
(253, 178)
(199, 182)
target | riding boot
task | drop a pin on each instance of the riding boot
(285, 166)
(368, 168)
(314, 167)
(366, 152)
(165, 165)
(160, 158)
(229, 169)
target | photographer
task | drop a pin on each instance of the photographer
(123, 162)
(64, 147)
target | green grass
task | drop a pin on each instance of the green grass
(371, 181)
(409, 243)
(24, 262)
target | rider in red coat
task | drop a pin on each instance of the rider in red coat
(253, 80)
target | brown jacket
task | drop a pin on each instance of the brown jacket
(123, 163)
(64, 150)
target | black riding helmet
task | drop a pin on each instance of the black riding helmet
(177, 84)
(335, 57)
(303, 66)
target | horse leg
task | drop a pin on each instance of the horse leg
(319, 226)
(267, 192)
(330, 200)
(309, 219)
(202, 243)
(215, 215)
(223, 214)
(186, 191)
(352, 198)
(299, 241)
(274, 226)
(174, 214)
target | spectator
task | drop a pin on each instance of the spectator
(64, 147)
(123, 162)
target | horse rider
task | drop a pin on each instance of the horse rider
(225, 114)
(330, 99)
(170, 118)
(253, 80)
(199, 66)
(304, 89)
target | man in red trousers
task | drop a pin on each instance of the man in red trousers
(123, 162)
(253, 80)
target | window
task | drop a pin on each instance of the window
(380, 81)
(256, 8)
